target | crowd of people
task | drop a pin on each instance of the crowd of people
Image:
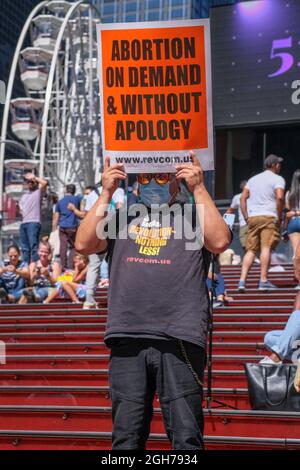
(158, 343)
(265, 214)
(49, 268)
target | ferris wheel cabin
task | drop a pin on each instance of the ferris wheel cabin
(26, 116)
(46, 28)
(34, 67)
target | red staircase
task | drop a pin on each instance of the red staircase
(54, 385)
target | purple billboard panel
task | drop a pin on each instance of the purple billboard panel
(256, 62)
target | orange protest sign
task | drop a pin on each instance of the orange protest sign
(155, 91)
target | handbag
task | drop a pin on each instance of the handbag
(271, 387)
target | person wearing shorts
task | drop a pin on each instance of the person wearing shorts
(262, 203)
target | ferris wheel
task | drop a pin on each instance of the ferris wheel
(57, 116)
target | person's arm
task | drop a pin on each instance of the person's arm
(230, 210)
(56, 272)
(32, 272)
(42, 183)
(24, 272)
(245, 195)
(279, 193)
(80, 214)
(89, 234)
(233, 206)
(80, 276)
(217, 236)
(55, 220)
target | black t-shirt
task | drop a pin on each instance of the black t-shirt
(157, 286)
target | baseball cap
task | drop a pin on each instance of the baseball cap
(272, 160)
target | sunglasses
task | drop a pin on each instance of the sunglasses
(160, 178)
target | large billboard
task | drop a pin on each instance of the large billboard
(256, 62)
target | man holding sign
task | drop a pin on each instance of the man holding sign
(158, 304)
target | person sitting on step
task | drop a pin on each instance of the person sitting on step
(13, 276)
(282, 343)
(71, 283)
(43, 276)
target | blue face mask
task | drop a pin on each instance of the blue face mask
(154, 193)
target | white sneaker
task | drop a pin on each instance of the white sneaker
(89, 305)
(103, 283)
(268, 360)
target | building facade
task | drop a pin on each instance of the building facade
(12, 18)
(117, 11)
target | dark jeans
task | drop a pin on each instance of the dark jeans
(67, 239)
(17, 291)
(137, 368)
(29, 239)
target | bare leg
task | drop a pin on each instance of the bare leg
(295, 240)
(247, 263)
(53, 294)
(265, 257)
(69, 288)
(23, 300)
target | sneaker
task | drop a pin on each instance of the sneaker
(268, 360)
(242, 286)
(103, 283)
(89, 305)
(218, 303)
(266, 285)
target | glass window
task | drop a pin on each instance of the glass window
(177, 13)
(153, 4)
(108, 19)
(130, 17)
(131, 6)
(153, 15)
(177, 2)
(108, 9)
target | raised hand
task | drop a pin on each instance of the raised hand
(111, 176)
(29, 176)
(44, 271)
(192, 173)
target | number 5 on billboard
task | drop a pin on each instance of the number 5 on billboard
(287, 60)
